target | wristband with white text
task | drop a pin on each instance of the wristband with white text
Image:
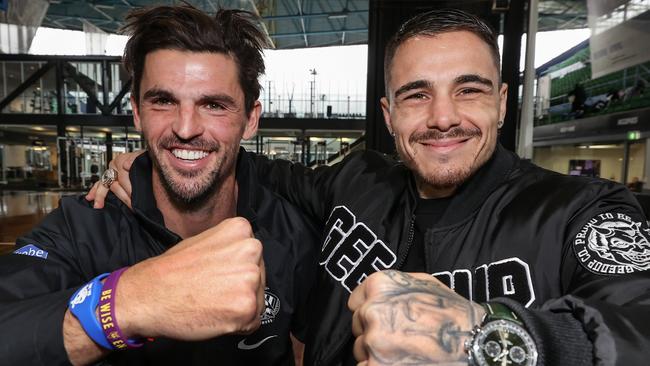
(83, 305)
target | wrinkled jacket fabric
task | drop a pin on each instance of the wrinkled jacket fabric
(81, 242)
(514, 232)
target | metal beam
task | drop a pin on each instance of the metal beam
(314, 33)
(324, 124)
(93, 120)
(97, 120)
(302, 23)
(97, 9)
(25, 84)
(46, 58)
(87, 84)
(266, 31)
(125, 89)
(315, 15)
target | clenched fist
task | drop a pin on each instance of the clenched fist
(410, 318)
(208, 285)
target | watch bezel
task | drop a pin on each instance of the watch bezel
(480, 334)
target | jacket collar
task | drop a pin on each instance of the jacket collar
(471, 194)
(144, 202)
(247, 186)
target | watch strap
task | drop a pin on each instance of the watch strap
(498, 311)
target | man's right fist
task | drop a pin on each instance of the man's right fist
(205, 286)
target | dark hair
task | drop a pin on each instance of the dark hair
(439, 21)
(186, 28)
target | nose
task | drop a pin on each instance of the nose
(443, 113)
(187, 124)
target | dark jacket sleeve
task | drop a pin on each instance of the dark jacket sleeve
(603, 318)
(314, 190)
(35, 286)
(309, 189)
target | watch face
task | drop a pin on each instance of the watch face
(503, 343)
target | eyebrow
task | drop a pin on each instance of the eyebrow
(228, 101)
(418, 84)
(158, 93)
(474, 78)
(462, 79)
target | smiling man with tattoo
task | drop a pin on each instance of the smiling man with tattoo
(461, 252)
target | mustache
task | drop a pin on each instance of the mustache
(168, 142)
(453, 133)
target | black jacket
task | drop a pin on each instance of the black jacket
(568, 254)
(82, 242)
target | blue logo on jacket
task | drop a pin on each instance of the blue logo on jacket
(32, 251)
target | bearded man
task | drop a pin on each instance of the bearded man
(177, 302)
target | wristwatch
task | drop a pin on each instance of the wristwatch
(501, 339)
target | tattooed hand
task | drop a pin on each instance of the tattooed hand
(410, 319)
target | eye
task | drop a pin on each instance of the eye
(214, 106)
(469, 91)
(416, 96)
(162, 101)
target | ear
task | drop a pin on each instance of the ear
(253, 121)
(503, 95)
(136, 114)
(385, 109)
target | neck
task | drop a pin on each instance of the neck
(220, 206)
(427, 191)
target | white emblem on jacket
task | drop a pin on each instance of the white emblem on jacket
(271, 306)
(613, 243)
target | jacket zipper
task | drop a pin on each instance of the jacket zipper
(409, 243)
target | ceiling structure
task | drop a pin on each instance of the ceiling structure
(288, 23)
(562, 14)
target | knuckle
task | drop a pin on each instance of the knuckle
(239, 222)
(249, 251)
(250, 275)
(375, 342)
(253, 247)
(250, 327)
(375, 282)
(247, 308)
(366, 314)
(241, 225)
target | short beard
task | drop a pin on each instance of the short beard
(196, 195)
(192, 198)
(444, 177)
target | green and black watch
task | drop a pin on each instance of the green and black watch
(501, 339)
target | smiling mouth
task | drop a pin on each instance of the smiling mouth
(190, 155)
(444, 142)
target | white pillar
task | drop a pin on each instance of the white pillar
(525, 138)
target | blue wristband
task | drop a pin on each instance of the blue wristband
(83, 305)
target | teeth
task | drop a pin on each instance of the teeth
(189, 154)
